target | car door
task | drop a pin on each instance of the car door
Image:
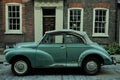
(75, 46)
(53, 44)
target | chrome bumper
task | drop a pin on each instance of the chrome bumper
(113, 60)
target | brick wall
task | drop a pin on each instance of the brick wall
(76, 5)
(1, 22)
(88, 7)
(28, 19)
(27, 23)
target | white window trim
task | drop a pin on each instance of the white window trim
(81, 25)
(7, 28)
(107, 24)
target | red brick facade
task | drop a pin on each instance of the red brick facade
(27, 23)
(101, 5)
(76, 5)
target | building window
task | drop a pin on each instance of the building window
(13, 18)
(75, 19)
(100, 22)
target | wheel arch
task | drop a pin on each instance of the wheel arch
(100, 59)
(17, 57)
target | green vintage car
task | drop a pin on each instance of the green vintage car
(58, 49)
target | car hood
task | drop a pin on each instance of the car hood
(26, 45)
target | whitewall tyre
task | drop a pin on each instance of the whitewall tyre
(20, 67)
(91, 66)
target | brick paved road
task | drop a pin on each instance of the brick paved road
(107, 73)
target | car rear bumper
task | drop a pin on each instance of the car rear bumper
(113, 60)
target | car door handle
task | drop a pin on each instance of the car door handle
(62, 47)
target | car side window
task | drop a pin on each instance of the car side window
(72, 39)
(53, 39)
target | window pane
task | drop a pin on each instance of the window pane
(79, 13)
(79, 18)
(49, 11)
(13, 14)
(18, 14)
(18, 21)
(10, 26)
(14, 21)
(13, 8)
(10, 14)
(97, 13)
(78, 24)
(17, 8)
(100, 19)
(71, 12)
(71, 18)
(54, 39)
(18, 27)
(10, 20)
(9, 8)
(96, 19)
(71, 39)
(14, 27)
(75, 12)
(104, 18)
(104, 13)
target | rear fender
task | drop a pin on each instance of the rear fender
(105, 56)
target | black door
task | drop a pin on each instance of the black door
(48, 19)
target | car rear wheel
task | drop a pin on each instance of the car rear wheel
(20, 67)
(91, 66)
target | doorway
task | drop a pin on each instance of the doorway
(48, 19)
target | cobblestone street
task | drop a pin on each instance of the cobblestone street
(111, 72)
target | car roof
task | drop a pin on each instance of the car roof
(66, 30)
(82, 33)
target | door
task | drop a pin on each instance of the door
(75, 46)
(55, 47)
(48, 19)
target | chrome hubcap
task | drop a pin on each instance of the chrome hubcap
(20, 67)
(91, 66)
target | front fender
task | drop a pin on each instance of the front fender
(27, 52)
(37, 58)
(107, 59)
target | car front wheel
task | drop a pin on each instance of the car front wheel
(20, 67)
(91, 66)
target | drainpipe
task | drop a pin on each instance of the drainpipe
(116, 21)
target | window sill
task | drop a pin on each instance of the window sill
(100, 35)
(13, 33)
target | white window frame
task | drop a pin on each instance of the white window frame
(8, 31)
(105, 34)
(81, 23)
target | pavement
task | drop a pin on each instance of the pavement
(2, 58)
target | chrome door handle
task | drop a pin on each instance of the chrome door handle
(62, 47)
